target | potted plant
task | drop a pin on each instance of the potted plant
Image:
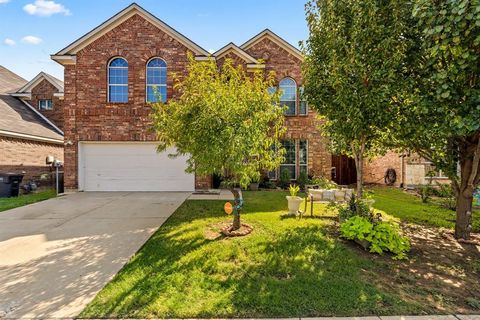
(254, 184)
(294, 201)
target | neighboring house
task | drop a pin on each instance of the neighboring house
(110, 74)
(411, 170)
(45, 94)
(27, 136)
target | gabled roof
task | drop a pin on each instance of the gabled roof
(67, 54)
(267, 33)
(18, 118)
(27, 88)
(231, 47)
(9, 81)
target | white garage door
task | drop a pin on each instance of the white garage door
(131, 167)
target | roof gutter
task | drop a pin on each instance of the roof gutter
(24, 136)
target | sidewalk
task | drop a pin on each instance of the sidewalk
(430, 317)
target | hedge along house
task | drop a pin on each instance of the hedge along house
(109, 78)
(28, 133)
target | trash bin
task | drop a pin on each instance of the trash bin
(10, 184)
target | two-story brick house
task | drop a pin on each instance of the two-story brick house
(109, 78)
(30, 123)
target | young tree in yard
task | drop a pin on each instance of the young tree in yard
(442, 122)
(226, 121)
(355, 58)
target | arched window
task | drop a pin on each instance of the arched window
(156, 80)
(118, 80)
(288, 89)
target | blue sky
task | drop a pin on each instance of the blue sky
(31, 30)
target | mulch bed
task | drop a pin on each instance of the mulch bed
(222, 229)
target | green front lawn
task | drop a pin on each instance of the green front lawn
(285, 268)
(10, 203)
(409, 208)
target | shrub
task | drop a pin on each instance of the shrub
(323, 183)
(443, 190)
(382, 236)
(447, 194)
(356, 228)
(284, 180)
(302, 180)
(266, 183)
(357, 207)
(425, 192)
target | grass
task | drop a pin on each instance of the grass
(14, 202)
(409, 208)
(285, 268)
(291, 268)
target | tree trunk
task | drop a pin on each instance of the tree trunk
(469, 160)
(237, 194)
(463, 225)
(358, 154)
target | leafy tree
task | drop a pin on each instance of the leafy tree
(226, 121)
(442, 120)
(355, 64)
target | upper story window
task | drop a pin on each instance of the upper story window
(45, 104)
(118, 80)
(303, 109)
(156, 80)
(288, 89)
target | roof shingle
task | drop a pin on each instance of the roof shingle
(16, 116)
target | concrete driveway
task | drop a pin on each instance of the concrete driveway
(57, 254)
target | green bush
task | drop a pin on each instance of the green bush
(425, 192)
(266, 183)
(302, 180)
(284, 180)
(443, 190)
(356, 207)
(382, 236)
(323, 183)
(447, 196)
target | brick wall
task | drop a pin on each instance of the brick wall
(284, 64)
(45, 90)
(375, 169)
(27, 156)
(88, 116)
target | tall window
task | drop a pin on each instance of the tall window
(156, 80)
(303, 110)
(118, 80)
(45, 104)
(290, 158)
(303, 156)
(288, 89)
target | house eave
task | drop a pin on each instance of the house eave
(24, 136)
(64, 59)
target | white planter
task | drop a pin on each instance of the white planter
(294, 204)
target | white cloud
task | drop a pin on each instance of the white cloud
(45, 8)
(31, 40)
(4, 1)
(211, 51)
(9, 42)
